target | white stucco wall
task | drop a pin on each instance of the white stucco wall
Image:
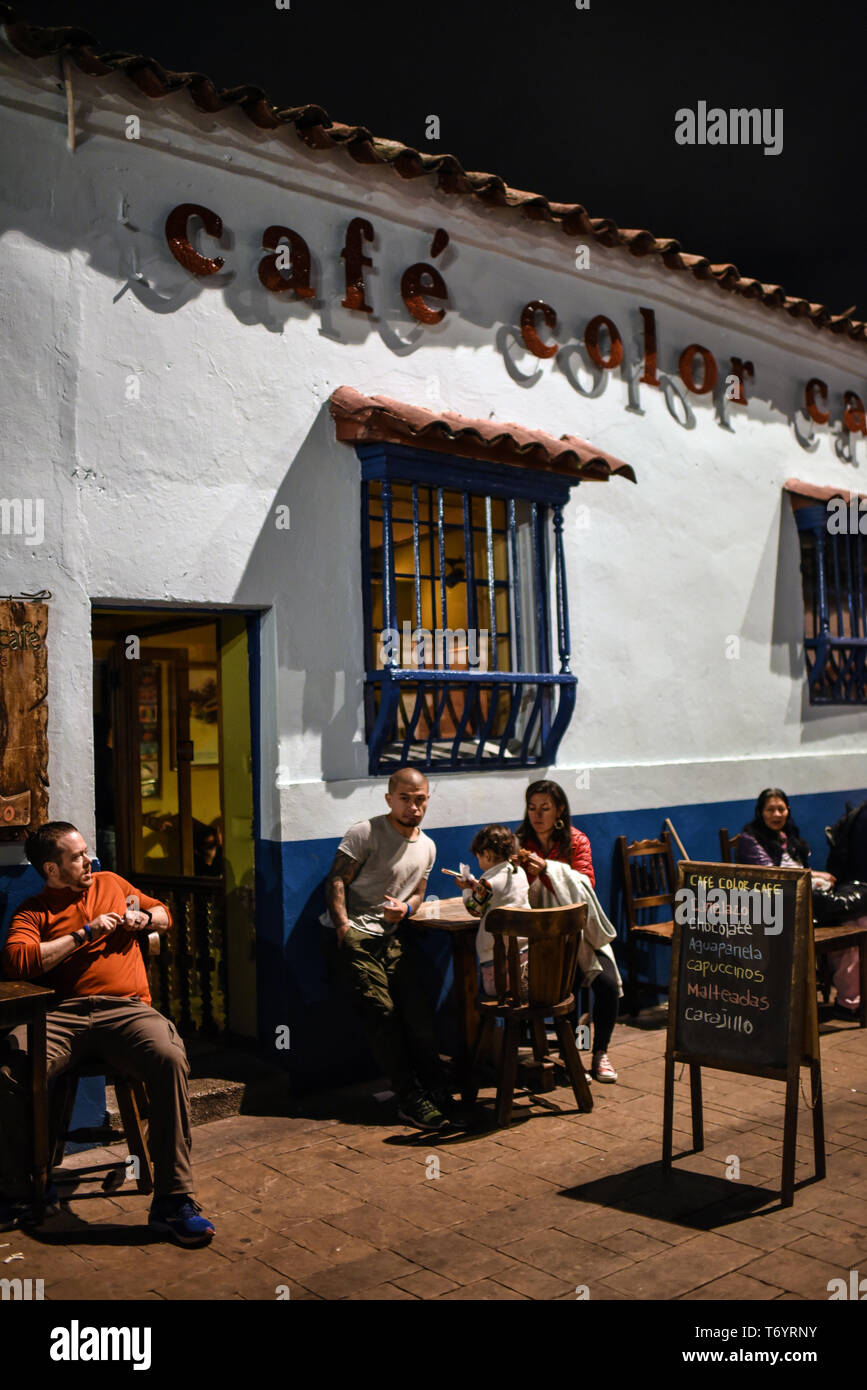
(170, 498)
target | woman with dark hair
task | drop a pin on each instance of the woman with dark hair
(546, 834)
(772, 839)
(547, 829)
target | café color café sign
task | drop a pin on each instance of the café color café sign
(286, 270)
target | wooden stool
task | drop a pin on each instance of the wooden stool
(554, 936)
(132, 1102)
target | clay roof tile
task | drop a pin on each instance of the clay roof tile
(359, 417)
(313, 125)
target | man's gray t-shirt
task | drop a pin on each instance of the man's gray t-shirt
(389, 864)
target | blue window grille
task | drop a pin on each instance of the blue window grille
(457, 612)
(834, 573)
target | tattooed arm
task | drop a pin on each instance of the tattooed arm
(396, 909)
(342, 872)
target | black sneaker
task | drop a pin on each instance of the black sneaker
(418, 1109)
(13, 1212)
(178, 1215)
(18, 1211)
(443, 1100)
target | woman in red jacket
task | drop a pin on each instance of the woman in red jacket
(547, 832)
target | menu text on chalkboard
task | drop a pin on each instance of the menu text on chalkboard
(737, 939)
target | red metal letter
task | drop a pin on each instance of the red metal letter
(413, 290)
(591, 342)
(649, 317)
(529, 331)
(820, 417)
(740, 370)
(269, 272)
(709, 375)
(358, 230)
(854, 418)
(179, 242)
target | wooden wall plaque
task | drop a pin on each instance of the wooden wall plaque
(23, 717)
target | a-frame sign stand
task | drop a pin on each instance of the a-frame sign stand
(795, 992)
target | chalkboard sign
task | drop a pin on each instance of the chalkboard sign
(737, 950)
(742, 993)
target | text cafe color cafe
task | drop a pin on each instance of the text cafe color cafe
(322, 455)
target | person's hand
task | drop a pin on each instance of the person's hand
(532, 863)
(468, 882)
(820, 878)
(104, 925)
(134, 921)
(394, 910)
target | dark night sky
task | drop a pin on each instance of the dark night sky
(578, 105)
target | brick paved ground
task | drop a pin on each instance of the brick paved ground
(335, 1204)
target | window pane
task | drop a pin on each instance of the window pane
(464, 579)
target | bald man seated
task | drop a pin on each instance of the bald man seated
(377, 881)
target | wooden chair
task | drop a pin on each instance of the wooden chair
(839, 938)
(132, 1102)
(728, 847)
(649, 883)
(554, 936)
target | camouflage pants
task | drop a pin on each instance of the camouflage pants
(379, 975)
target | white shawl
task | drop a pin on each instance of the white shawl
(571, 887)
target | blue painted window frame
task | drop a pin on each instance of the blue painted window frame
(835, 582)
(555, 692)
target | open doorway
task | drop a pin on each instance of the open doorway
(174, 800)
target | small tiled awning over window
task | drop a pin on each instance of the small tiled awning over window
(360, 419)
(809, 494)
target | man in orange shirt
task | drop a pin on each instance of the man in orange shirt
(78, 937)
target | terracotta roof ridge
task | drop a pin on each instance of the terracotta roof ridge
(359, 417)
(314, 126)
(801, 492)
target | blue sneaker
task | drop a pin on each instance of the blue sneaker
(179, 1216)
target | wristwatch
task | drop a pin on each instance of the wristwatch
(79, 937)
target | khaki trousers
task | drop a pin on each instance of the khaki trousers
(131, 1038)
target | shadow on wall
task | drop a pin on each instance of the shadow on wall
(18, 882)
(323, 701)
(294, 988)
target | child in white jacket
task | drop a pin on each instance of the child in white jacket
(502, 884)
